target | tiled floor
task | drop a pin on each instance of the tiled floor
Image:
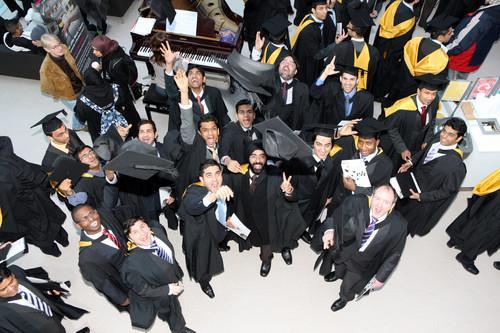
(429, 291)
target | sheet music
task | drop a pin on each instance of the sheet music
(185, 23)
(16, 248)
(239, 228)
(143, 26)
(356, 170)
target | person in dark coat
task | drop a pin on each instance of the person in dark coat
(154, 277)
(337, 101)
(477, 228)
(102, 251)
(27, 209)
(368, 238)
(267, 204)
(27, 307)
(236, 136)
(117, 67)
(439, 170)
(272, 41)
(100, 105)
(395, 30)
(206, 209)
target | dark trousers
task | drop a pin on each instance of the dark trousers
(171, 312)
(349, 281)
(266, 253)
(427, 8)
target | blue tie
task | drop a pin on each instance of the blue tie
(36, 301)
(160, 252)
(221, 211)
(348, 105)
(369, 230)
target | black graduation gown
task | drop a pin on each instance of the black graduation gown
(329, 100)
(477, 228)
(268, 55)
(202, 234)
(404, 122)
(52, 153)
(309, 42)
(391, 50)
(295, 114)
(257, 12)
(234, 141)
(99, 192)
(273, 219)
(27, 208)
(439, 180)
(381, 256)
(100, 264)
(148, 277)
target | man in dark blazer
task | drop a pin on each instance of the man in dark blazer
(337, 100)
(368, 238)
(153, 276)
(237, 135)
(102, 249)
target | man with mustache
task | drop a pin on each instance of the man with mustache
(266, 203)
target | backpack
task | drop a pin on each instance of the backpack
(135, 87)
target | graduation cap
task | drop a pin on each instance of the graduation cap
(252, 75)
(276, 27)
(440, 23)
(67, 167)
(310, 130)
(141, 166)
(360, 14)
(369, 128)
(280, 141)
(349, 69)
(108, 145)
(432, 82)
(50, 122)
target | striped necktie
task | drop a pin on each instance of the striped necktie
(369, 230)
(160, 252)
(111, 237)
(35, 301)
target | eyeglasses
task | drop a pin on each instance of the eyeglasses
(87, 155)
(89, 216)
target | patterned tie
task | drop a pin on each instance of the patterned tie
(111, 237)
(253, 184)
(423, 115)
(161, 253)
(284, 91)
(35, 301)
(198, 101)
(369, 230)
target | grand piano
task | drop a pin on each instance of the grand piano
(215, 18)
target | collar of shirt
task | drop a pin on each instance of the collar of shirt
(361, 40)
(408, 5)
(349, 95)
(441, 147)
(279, 45)
(441, 45)
(61, 147)
(369, 157)
(317, 20)
(245, 129)
(99, 173)
(287, 82)
(196, 95)
(316, 158)
(95, 236)
(380, 219)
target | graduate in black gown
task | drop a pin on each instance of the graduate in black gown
(396, 28)
(272, 41)
(63, 141)
(368, 238)
(477, 228)
(154, 277)
(27, 209)
(439, 170)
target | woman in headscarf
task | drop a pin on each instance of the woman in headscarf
(118, 67)
(100, 104)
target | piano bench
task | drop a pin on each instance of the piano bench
(154, 102)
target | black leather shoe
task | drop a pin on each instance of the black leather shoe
(468, 265)
(338, 305)
(224, 247)
(188, 330)
(330, 277)
(306, 237)
(451, 244)
(53, 250)
(208, 290)
(265, 268)
(287, 256)
(496, 264)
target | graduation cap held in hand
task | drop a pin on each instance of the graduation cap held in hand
(67, 167)
(140, 165)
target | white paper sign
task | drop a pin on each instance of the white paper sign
(239, 228)
(356, 170)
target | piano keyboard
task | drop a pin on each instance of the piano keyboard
(200, 58)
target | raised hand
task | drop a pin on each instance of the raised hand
(286, 185)
(339, 38)
(123, 131)
(181, 80)
(259, 41)
(330, 68)
(168, 56)
(225, 193)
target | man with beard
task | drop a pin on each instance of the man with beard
(237, 135)
(102, 251)
(439, 170)
(266, 202)
(206, 211)
(290, 97)
(368, 238)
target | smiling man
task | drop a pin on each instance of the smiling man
(369, 237)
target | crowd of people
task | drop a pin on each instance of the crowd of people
(280, 168)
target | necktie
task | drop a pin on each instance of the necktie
(423, 115)
(70, 148)
(365, 160)
(161, 253)
(35, 301)
(198, 101)
(348, 105)
(111, 237)
(369, 230)
(333, 17)
(253, 184)
(284, 91)
(215, 155)
(319, 169)
(220, 211)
